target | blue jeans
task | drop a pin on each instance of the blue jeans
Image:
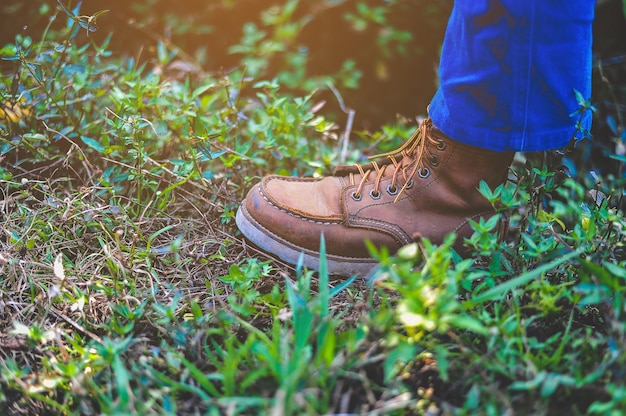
(508, 72)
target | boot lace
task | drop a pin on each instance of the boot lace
(405, 162)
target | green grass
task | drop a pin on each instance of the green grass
(125, 287)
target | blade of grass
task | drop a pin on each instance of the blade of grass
(199, 376)
(324, 283)
(502, 288)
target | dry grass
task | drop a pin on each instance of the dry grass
(115, 252)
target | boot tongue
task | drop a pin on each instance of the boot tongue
(410, 148)
(345, 170)
(354, 175)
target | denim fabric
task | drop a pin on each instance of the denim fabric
(508, 72)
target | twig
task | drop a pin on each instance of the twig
(13, 345)
(76, 325)
(345, 139)
(560, 239)
(346, 136)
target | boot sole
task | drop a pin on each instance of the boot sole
(290, 253)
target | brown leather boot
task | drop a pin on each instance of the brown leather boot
(428, 187)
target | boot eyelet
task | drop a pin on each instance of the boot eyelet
(375, 194)
(356, 197)
(434, 160)
(441, 145)
(392, 190)
(410, 184)
(423, 172)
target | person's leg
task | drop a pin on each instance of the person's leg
(428, 188)
(508, 72)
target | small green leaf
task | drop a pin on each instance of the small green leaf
(468, 323)
(94, 144)
(201, 90)
(615, 270)
(549, 385)
(473, 398)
